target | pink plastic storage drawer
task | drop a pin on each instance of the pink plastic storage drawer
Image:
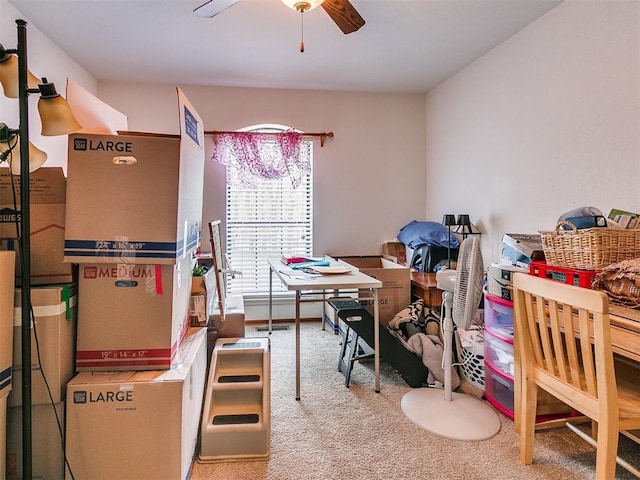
(499, 352)
(499, 392)
(498, 389)
(498, 315)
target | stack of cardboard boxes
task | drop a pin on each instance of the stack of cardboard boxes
(7, 268)
(133, 222)
(53, 300)
(126, 373)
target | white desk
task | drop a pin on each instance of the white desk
(313, 290)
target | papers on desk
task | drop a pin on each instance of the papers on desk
(299, 274)
(314, 271)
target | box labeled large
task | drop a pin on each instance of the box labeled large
(7, 267)
(131, 316)
(47, 192)
(134, 425)
(395, 293)
(135, 198)
(53, 355)
(47, 461)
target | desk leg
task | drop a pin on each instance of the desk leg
(324, 299)
(297, 344)
(376, 338)
(270, 298)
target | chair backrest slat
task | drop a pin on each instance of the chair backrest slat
(575, 366)
(588, 360)
(559, 351)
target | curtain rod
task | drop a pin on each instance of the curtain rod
(321, 135)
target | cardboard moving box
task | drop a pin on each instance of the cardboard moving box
(203, 296)
(7, 267)
(134, 425)
(3, 434)
(47, 462)
(231, 326)
(395, 293)
(130, 316)
(55, 313)
(136, 198)
(48, 193)
(396, 250)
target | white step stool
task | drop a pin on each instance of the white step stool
(236, 419)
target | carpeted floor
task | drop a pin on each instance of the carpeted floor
(339, 433)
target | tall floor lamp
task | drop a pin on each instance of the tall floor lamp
(57, 119)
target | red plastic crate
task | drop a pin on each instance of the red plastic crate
(571, 276)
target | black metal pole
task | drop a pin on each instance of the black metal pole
(449, 249)
(25, 250)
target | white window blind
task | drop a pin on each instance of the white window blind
(264, 222)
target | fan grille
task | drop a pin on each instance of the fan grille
(469, 281)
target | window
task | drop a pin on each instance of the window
(265, 221)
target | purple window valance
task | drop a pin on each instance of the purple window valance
(250, 156)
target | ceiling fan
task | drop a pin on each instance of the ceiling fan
(345, 16)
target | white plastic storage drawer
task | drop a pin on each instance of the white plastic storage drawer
(498, 315)
(499, 353)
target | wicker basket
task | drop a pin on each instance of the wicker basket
(589, 248)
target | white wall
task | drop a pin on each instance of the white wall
(547, 121)
(45, 59)
(368, 179)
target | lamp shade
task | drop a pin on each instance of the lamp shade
(9, 75)
(302, 6)
(448, 220)
(37, 157)
(56, 116)
(463, 219)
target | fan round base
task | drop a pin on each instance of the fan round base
(464, 417)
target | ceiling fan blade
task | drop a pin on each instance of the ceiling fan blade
(344, 15)
(213, 7)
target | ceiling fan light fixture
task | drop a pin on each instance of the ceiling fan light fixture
(302, 6)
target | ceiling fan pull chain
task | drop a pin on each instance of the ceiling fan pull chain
(301, 31)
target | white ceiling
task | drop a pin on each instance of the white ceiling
(405, 45)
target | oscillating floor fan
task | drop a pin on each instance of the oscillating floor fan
(446, 413)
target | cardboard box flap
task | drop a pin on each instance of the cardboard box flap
(93, 114)
(371, 262)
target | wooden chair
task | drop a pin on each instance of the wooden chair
(564, 347)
